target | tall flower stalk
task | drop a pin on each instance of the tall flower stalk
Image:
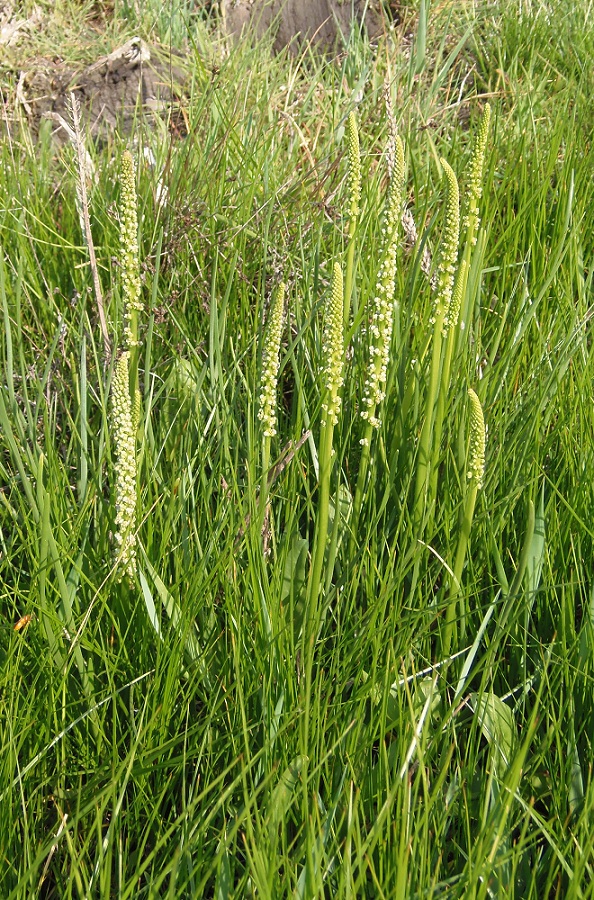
(459, 305)
(124, 435)
(332, 375)
(125, 393)
(381, 316)
(131, 286)
(475, 476)
(268, 383)
(354, 198)
(441, 323)
(332, 379)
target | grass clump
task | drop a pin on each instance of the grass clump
(335, 667)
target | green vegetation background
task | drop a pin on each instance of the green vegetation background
(164, 738)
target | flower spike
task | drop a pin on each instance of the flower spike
(477, 440)
(125, 446)
(333, 348)
(270, 362)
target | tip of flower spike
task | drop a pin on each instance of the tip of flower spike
(270, 362)
(354, 176)
(475, 181)
(449, 247)
(477, 439)
(485, 120)
(451, 180)
(128, 171)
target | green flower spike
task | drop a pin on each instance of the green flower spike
(383, 304)
(475, 478)
(449, 250)
(354, 199)
(332, 374)
(333, 349)
(475, 179)
(270, 362)
(354, 176)
(129, 251)
(125, 446)
(477, 440)
(456, 301)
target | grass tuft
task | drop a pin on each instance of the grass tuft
(337, 669)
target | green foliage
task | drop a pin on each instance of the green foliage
(308, 687)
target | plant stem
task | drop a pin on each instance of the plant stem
(424, 457)
(333, 350)
(361, 482)
(350, 274)
(454, 591)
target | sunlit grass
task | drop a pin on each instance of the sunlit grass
(297, 695)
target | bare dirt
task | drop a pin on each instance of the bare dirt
(137, 78)
(115, 89)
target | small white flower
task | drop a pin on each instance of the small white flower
(124, 434)
(270, 363)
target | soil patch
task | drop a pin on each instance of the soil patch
(112, 92)
(140, 78)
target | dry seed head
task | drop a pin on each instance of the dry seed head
(333, 348)
(411, 238)
(354, 177)
(449, 248)
(129, 250)
(477, 440)
(124, 434)
(270, 362)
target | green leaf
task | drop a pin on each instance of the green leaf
(421, 48)
(223, 886)
(497, 725)
(536, 550)
(282, 795)
(294, 572)
(191, 645)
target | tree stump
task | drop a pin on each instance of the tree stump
(295, 22)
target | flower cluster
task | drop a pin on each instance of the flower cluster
(129, 251)
(449, 249)
(458, 295)
(333, 349)
(477, 440)
(354, 177)
(125, 446)
(382, 316)
(475, 180)
(270, 362)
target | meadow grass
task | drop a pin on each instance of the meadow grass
(333, 668)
